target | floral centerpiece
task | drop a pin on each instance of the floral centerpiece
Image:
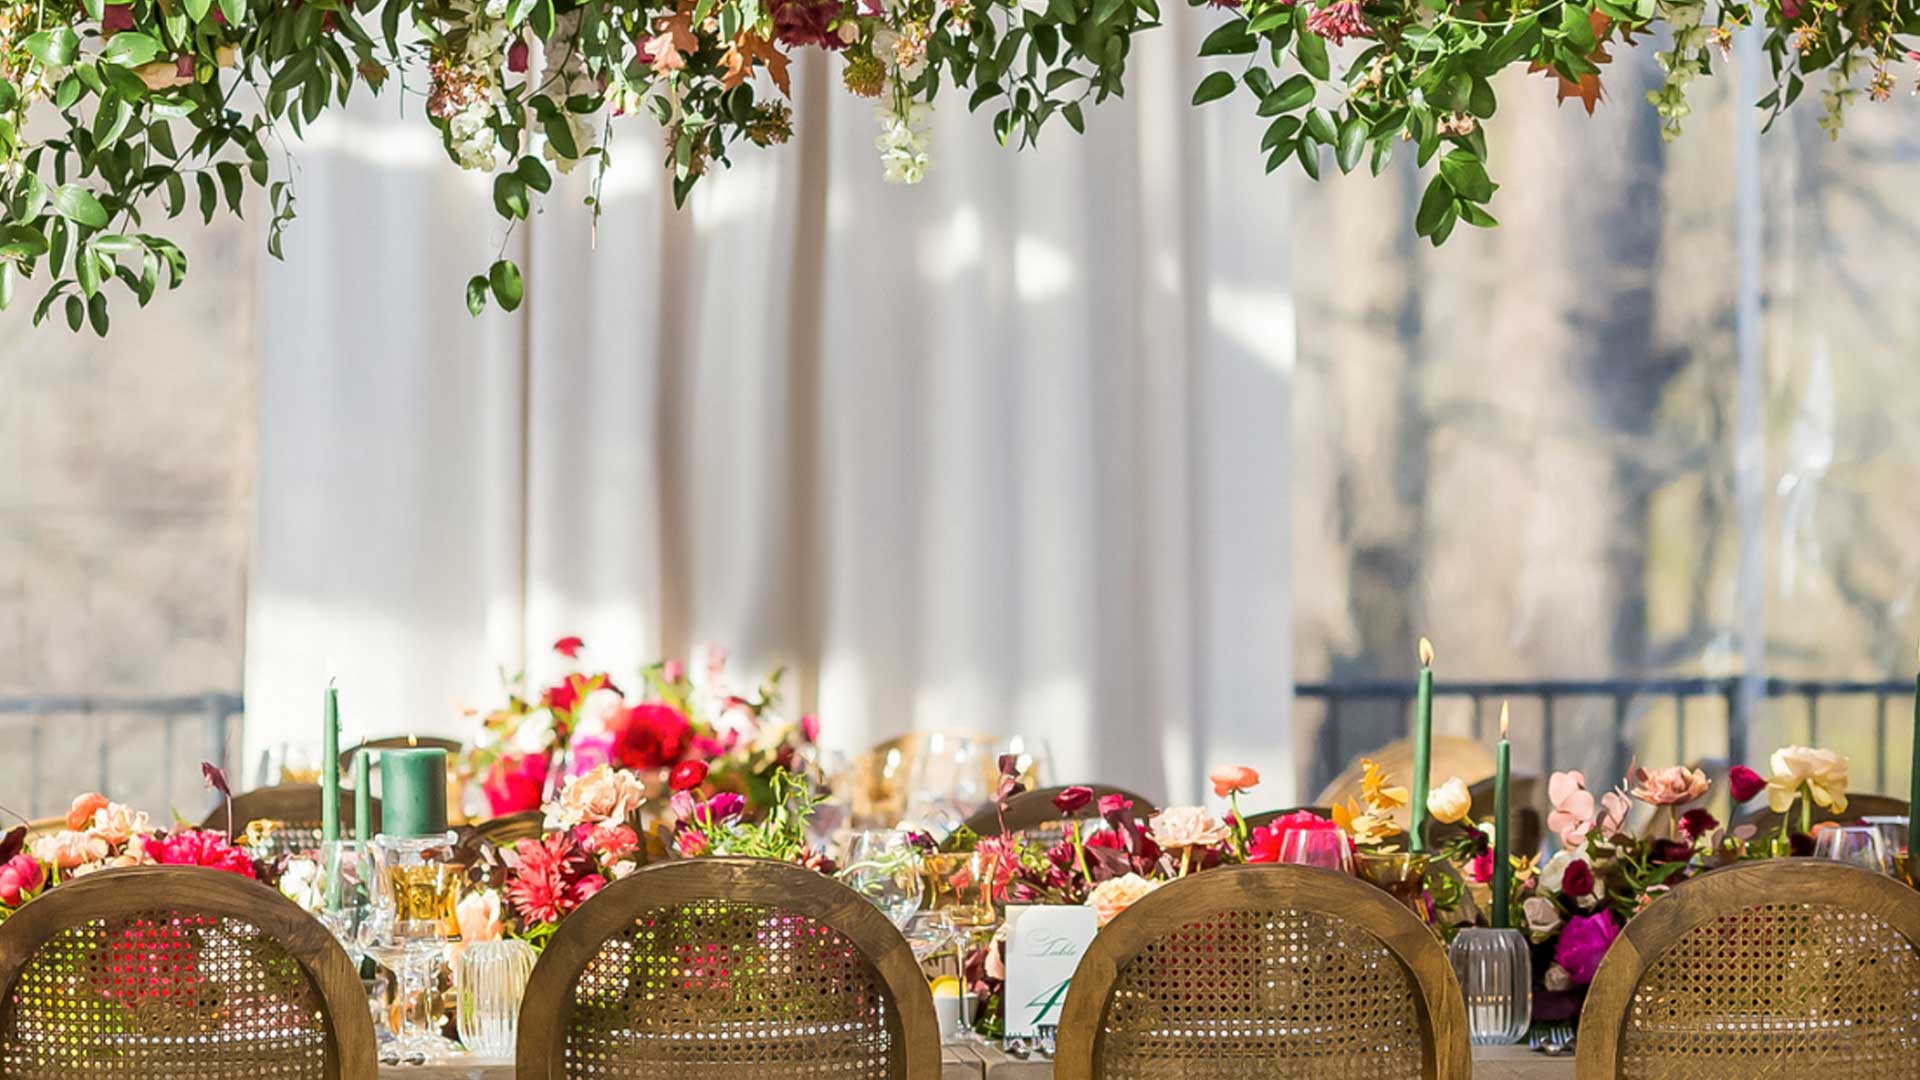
(584, 720)
(99, 834)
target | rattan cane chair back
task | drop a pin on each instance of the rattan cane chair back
(723, 969)
(176, 973)
(1264, 973)
(1780, 968)
(295, 811)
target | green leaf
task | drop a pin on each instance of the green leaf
(510, 196)
(6, 285)
(1309, 155)
(1353, 142)
(504, 278)
(1289, 96)
(1215, 86)
(129, 48)
(21, 242)
(53, 48)
(1320, 125)
(1477, 216)
(232, 184)
(1312, 51)
(1382, 154)
(534, 174)
(476, 294)
(197, 9)
(560, 136)
(77, 204)
(1577, 26)
(1434, 205)
(1481, 101)
(1466, 176)
(236, 12)
(76, 313)
(1280, 131)
(114, 243)
(87, 269)
(1269, 19)
(1071, 110)
(1228, 39)
(97, 313)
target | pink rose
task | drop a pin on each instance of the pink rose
(479, 917)
(20, 877)
(68, 849)
(602, 795)
(1115, 895)
(810, 728)
(1575, 812)
(1187, 826)
(1671, 786)
(1230, 779)
(117, 823)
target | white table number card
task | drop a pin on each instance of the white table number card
(1044, 945)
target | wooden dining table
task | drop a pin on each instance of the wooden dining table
(985, 1061)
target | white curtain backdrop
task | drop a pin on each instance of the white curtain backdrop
(1004, 451)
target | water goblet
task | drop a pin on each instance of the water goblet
(1864, 846)
(1326, 848)
(883, 865)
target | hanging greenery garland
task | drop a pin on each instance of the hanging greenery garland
(113, 115)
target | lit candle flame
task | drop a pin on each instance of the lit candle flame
(1426, 653)
(1503, 719)
(411, 741)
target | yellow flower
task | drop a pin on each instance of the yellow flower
(1366, 827)
(1373, 786)
(1450, 802)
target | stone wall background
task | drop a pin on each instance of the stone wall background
(126, 488)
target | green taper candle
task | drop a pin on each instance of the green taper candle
(1422, 747)
(1913, 796)
(330, 767)
(413, 792)
(362, 796)
(1502, 852)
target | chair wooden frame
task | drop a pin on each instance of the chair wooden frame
(128, 891)
(1031, 809)
(297, 804)
(544, 1015)
(1692, 904)
(1765, 822)
(1440, 1007)
(501, 832)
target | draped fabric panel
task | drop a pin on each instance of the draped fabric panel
(1005, 451)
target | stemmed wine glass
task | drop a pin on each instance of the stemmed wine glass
(346, 868)
(883, 865)
(952, 776)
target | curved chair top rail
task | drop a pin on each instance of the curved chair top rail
(1696, 903)
(1423, 960)
(45, 826)
(296, 804)
(111, 894)
(540, 1054)
(1863, 805)
(1032, 809)
(397, 742)
(501, 832)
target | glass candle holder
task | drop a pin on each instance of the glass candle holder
(1402, 874)
(491, 979)
(411, 920)
(1495, 969)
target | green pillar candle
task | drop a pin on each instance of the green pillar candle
(413, 792)
(330, 767)
(1422, 748)
(1502, 852)
(362, 797)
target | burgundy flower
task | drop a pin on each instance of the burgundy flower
(517, 63)
(582, 890)
(687, 775)
(1074, 798)
(1339, 21)
(807, 22)
(1670, 851)
(1800, 844)
(721, 807)
(1697, 823)
(651, 736)
(1578, 879)
(1583, 943)
(1480, 869)
(115, 18)
(1745, 783)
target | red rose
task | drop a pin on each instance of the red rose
(568, 647)
(1578, 880)
(1266, 842)
(651, 736)
(1074, 798)
(688, 775)
(1745, 783)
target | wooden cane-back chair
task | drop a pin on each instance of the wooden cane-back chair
(1270, 972)
(1765, 822)
(177, 973)
(723, 968)
(295, 811)
(500, 833)
(1782, 967)
(1032, 810)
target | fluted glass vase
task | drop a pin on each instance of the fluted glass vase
(491, 979)
(1495, 969)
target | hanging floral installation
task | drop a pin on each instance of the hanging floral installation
(115, 115)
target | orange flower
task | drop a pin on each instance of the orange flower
(80, 815)
(1232, 779)
(1373, 787)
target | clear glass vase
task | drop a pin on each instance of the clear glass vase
(1495, 969)
(491, 980)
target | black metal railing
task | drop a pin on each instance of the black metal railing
(1625, 696)
(49, 724)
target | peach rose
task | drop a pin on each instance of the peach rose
(1671, 786)
(1115, 895)
(1187, 826)
(68, 849)
(599, 795)
(1229, 779)
(82, 811)
(479, 916)
(117, 823)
